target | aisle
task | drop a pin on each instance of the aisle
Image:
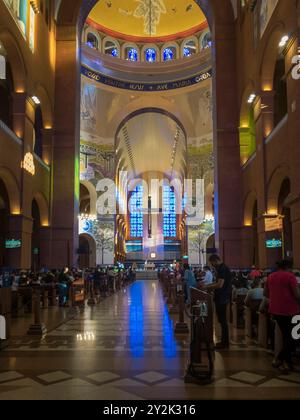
(124, 348)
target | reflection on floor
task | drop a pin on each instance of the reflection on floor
(124, 348)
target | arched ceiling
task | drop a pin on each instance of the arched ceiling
(139, 20)
(152, 142)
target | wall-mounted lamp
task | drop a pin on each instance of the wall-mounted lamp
(284, 40)
(36, 100)
(251, 98)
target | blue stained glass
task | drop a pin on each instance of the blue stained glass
(132, 54)
(150, 55)
(115, 52)
(187, 52)
(168, 54)
(169, 217)
(136, 217)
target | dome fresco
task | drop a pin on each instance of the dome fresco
(143, 19)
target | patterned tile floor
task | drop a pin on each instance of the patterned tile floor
(124, 348)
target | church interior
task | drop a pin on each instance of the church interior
(149, 200)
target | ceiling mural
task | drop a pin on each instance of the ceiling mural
(156, 19)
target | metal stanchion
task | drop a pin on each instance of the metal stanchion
(91, 300)
(174, 307)
(38, 328)
(181, 326)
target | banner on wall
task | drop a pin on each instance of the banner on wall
(144, 87)
(18, 9)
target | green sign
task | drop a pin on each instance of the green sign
(274, 243)
(13, 243)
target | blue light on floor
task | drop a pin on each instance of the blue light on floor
(136, 321)
(169, 344)
(139, 323)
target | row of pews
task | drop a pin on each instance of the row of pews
(255, 325)
(35, 299)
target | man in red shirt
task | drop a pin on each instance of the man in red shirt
(284, 295)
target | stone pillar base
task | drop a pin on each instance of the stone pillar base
(92, 301)
(181, 328)
(37, 329)
(173, 310)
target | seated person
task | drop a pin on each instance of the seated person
(208, 275)
(256, 292)
(240, 289)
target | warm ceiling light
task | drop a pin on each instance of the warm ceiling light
(36, 100)
(283, 41)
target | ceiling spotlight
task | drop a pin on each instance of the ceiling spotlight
(36, 100)
(283, 41)
(251, 98)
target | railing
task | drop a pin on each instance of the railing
(10, 133)
(249, 161)
(278, 127)
(41, 162)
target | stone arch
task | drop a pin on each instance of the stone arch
(130, 45)
(71, 17)
(92, 248)
(269, 56)
(249, 203)
(274, 185)
(43, 208)
(13, 190)
(171, 44)
(46, 105)
(93, 195)
(15, 58)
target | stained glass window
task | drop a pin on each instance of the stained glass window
(168, 54)
(186, 52)
(136, 214)
(169, 217)
(150, 55)
(132, 54)
(115, 52)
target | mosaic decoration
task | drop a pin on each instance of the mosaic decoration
(266, 11)
(151, 12)
(18, 9)
(88, 106)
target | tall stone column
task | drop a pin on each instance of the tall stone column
(228, 204)
(264, 123)
(65, 203)
(47, 135)
(20, 229)
(23, 126)
(293, 86)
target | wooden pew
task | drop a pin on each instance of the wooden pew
(238, 307)
(5, 311)
(251, 318)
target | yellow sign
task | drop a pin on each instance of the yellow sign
(273, 223)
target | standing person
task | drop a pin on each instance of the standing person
(222, 292)
(283, 292)
(190, 281)
(208, 275)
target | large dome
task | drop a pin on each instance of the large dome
(141, 20)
